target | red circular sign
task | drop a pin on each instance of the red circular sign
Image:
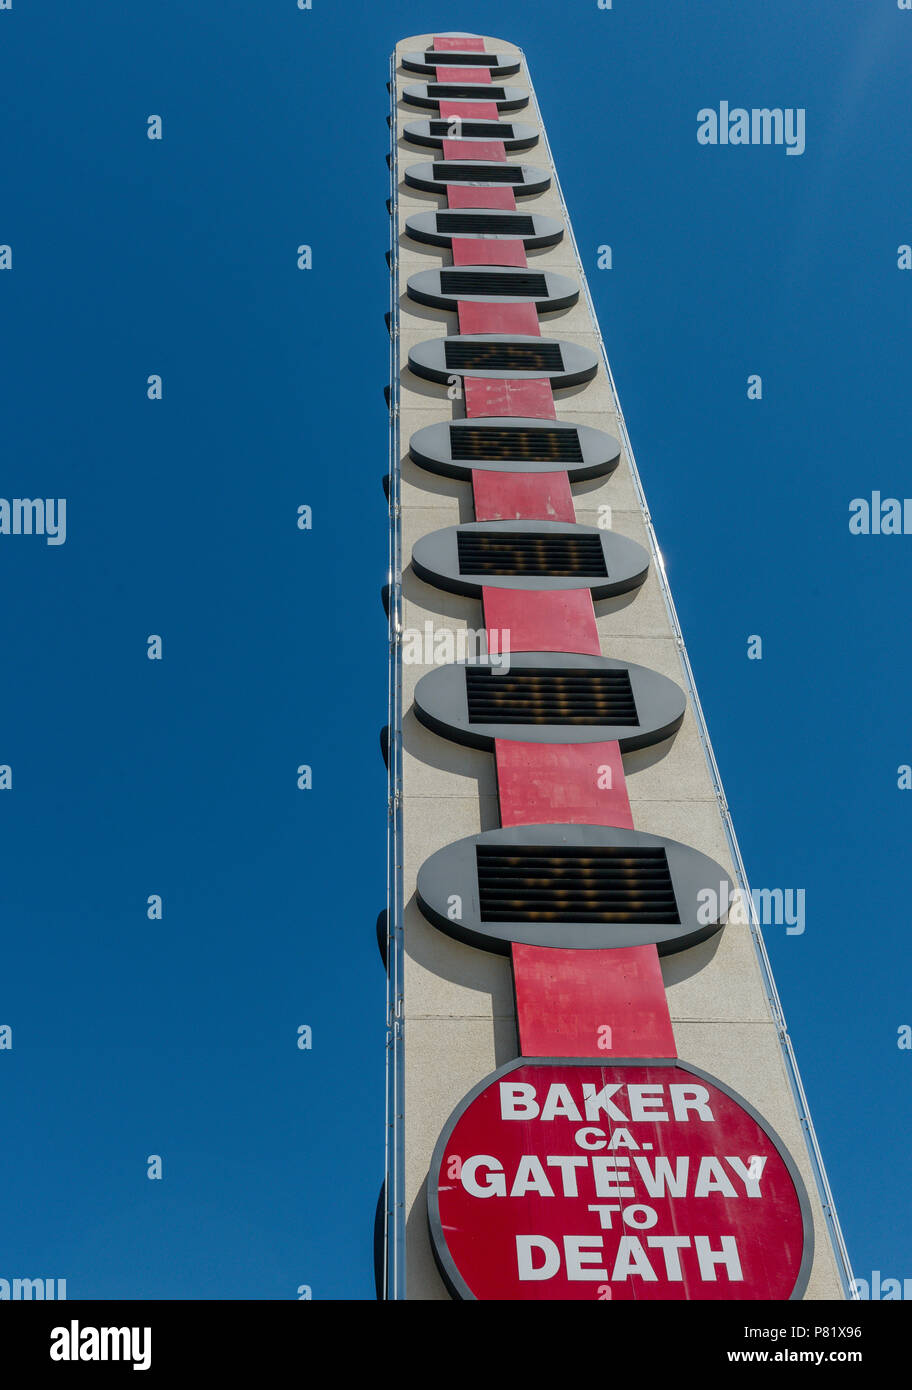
(632, 1180)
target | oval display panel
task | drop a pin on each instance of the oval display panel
(443, 289)
(500, 64)
(455, 448)
(434, 176)
(579, 887)
(497, 356)
(438, 228)
(529, 555)
(514, 135)
(432, 93)
(550, 697)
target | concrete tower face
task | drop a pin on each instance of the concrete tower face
(591, 1089)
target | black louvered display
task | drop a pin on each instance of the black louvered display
(528, 695)
(478, 130)
(489, 224)
(445, 59)
(515, 443)
(517, 357)
(490, 173)
(529, 553)
(469, 90)
(609, 883)
(491, 282)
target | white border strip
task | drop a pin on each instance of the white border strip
(394, 1194)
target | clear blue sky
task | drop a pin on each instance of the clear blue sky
(177, 777)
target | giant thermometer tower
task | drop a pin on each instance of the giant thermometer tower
(591, 1089)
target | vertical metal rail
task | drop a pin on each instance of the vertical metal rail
(834, 1229)
(394, 1192)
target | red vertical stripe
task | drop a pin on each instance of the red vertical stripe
(509, 396)
(481, 250)
(570, 1003)
(467, 195)
(482, 76)
(458, 43)
(522, 496)
(483, 317)
(477, 110)
(571, 783)
(475, 149)
(577, 1003)
(544, 620)
(591, 1003)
